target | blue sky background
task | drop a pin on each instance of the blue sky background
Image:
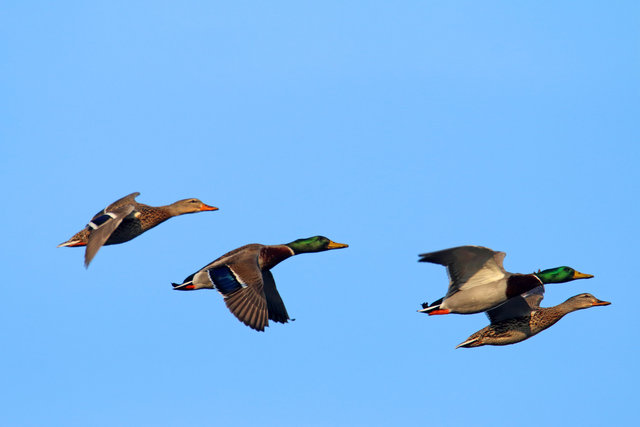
(397, 128)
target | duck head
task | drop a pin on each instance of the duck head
(582, 301)
(314, 244)
(189, 206)
(561, 275)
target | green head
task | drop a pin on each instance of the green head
(560, 275)
(314, 244)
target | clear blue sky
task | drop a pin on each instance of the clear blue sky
(397, 128)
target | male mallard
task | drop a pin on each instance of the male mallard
(478, 281)
(243, 278)
(126, 219)
(521, 317)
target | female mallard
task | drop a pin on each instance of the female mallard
(243, 278)
(521, 318)
(478, 281)
(126, 219)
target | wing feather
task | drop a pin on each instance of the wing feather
(275, 306)
(512, 308)
(101, 234)
(129, 199)
(468, 266)
(249, 307)
(249, 292)
(534, 297)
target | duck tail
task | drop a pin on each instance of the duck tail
(79, 239)
(186, 285)
(469, 343)
(429, 308)
(71, 243)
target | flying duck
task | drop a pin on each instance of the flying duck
(478, 282)
(244, 279)
(521, 318)
(126, 219)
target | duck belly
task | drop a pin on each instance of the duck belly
(474, 300)
(505, 335)
(126, 231)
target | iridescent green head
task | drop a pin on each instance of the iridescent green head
(314, 244)
(561, 275)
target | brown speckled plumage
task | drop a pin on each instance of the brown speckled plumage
(505, 330)
(126, 219)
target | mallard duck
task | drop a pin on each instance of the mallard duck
(478, 282)
(521, 318)
(243, 278)
(126, 219)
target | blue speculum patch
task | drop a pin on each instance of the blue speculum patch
(98, 221)
(224, 280)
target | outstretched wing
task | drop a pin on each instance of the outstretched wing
(534, 297)
(126, 200)
(101, 227)
(513, 307)
(275, 305)
(519, 306)
(468, 266)
(249, 306)
(239, 280)
(249, 292)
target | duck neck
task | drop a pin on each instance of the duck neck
(517, 284)
(553, 314)
(567, 307)
(270, 256)
(170, 210)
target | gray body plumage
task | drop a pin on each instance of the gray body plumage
(477, 279)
